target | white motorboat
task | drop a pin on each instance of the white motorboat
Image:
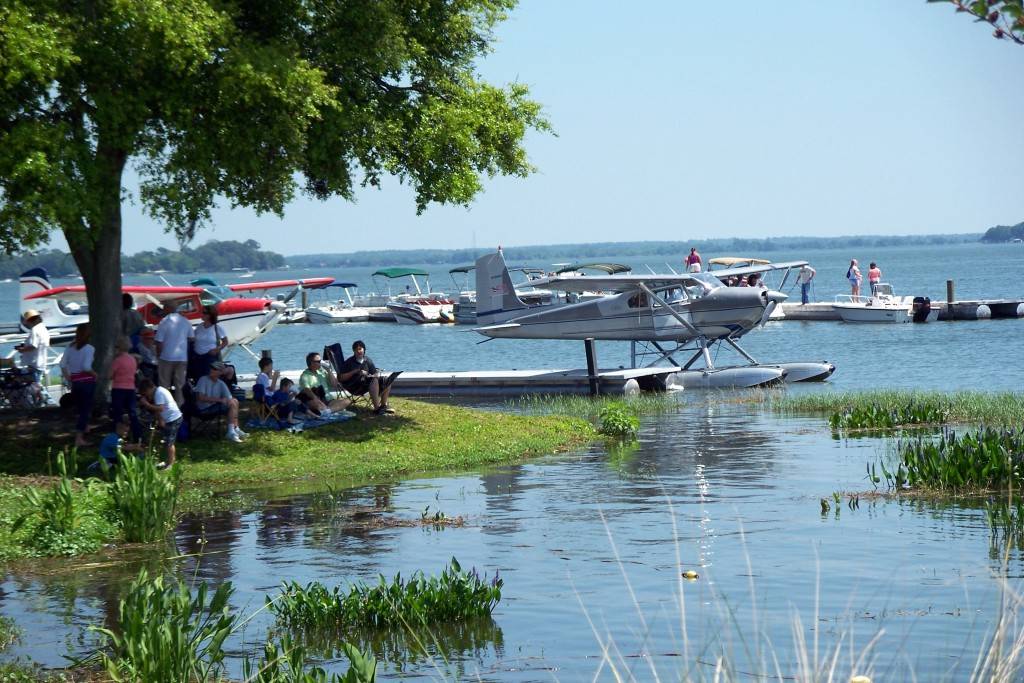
(884, 307)
(414, 306)
(422, 311)
(341, 310)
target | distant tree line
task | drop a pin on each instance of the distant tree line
(593, 250)
(213, 257)
(1004, 233)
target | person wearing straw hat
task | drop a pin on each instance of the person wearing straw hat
(35, 349)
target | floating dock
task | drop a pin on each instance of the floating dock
(516, 382)
(981, 309)
(503, 383)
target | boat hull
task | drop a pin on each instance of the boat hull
(862, 314)
(329, 316)
(421, 314)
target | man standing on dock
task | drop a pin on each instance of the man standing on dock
(804, 277)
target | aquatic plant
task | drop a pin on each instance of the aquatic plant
(618, 420)
(165, 633)
(1005, 522)
(994, 409)
(9, 633)
(144, 498)
(57, 508)
(985, 460)
(879, 416)
(455, 595)
(70, 518)
(286, 663)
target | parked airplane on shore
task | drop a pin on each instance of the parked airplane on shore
(664, 314)
(244, 320)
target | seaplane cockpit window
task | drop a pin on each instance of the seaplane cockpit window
(185, 306)
(673, 295)
(209, 298)
(638, 300)
(707, 281)
(72, 307)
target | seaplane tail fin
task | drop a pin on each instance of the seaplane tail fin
(496, 299)
(38, 280)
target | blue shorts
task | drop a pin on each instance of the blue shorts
(170, 431)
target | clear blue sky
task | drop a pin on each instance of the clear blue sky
(688, 120)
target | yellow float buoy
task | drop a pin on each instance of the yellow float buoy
(691, 575)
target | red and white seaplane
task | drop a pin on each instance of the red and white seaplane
(244, 320)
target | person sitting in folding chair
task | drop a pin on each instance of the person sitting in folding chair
(359, 376)
(319, 389)
(214, 398)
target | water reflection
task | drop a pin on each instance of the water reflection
(461, 648)
(734, 492)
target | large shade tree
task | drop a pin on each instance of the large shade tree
(244, 101)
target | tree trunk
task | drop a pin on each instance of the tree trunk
(97, 252)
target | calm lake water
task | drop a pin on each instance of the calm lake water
(591, 543)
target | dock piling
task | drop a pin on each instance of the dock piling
(595, 384)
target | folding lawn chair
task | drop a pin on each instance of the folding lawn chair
(191, 412)
(335, 356)
(264, 409)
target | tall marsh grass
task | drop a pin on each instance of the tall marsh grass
(165, 633)
(588, 407)
(145, 498)
(994, 409)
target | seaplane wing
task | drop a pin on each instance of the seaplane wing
(307, 283)
(757, 268)
(77, 293)
(613, 284)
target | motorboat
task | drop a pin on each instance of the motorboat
(340, 310)
(883, 306)
(414, 306)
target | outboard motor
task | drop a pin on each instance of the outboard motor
(922, 307)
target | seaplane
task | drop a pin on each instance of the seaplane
(244, 320)
(662, 316)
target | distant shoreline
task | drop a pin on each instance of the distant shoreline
(597, 250)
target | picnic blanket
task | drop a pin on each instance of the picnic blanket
(311, 422)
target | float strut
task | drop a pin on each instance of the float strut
(595, 384)
(743, 353)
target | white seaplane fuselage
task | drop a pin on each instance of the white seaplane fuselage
(629, 316)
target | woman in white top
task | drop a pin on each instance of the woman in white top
(76, 367)
(209, 341)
